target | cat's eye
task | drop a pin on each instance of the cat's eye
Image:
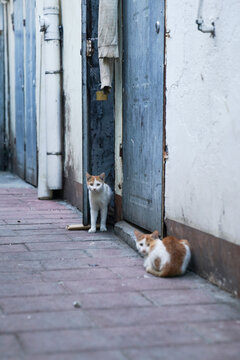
(91, 184)
(98, 184)
(141, 244)
(148, 244)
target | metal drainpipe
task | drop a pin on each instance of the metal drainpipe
(50, 26)
(44, 192)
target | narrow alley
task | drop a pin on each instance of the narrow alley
(73, 295)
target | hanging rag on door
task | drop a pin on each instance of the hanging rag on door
(107, 41)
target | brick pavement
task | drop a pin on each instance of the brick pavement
(124, 313)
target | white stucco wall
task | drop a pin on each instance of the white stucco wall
(72, 85)
(202, 118)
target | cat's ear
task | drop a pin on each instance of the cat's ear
(138, 234)
(88, 176)
(155, 235)
(102, 176)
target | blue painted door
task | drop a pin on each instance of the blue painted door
(30, 98)
(143, 79)
(1, 90)
(25, 101)
(19, 87)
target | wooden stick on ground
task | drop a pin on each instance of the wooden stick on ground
(79, 227)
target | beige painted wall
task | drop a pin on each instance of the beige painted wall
(72, 86)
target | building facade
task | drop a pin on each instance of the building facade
(167, 136)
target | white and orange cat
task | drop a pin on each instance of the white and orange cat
(99, 198)
(167, 257)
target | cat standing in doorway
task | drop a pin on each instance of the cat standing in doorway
(167, 257)
(99, 197)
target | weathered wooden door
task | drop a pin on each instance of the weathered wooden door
(19, 87)
(25, 73)
(98, 116)
(143, 78)
(30, 98)
(2, 128)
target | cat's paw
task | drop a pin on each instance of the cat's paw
(92, 230)
(103, 228)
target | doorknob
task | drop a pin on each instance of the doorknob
(157, 26)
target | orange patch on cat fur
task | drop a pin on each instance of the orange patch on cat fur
(91, 178)
(178, 251)
(157, 263)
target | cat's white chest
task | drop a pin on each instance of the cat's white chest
(160, 252)
(100, 199)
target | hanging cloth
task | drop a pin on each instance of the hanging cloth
(107, 40)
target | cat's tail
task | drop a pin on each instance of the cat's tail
(156, 273)
(184, 241)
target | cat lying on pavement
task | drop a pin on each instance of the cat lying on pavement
(167, 257)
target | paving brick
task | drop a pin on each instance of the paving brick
(177, 297)
(19, 277)
(113, 300)
(74, 319)
(219, 331)
(111, 252)
(18, 305)
(164, 314)
(36, 220)
(26, 289)
(9, 346)
(72, 245)
(83, 274)
(197, 352)
(12, 266)
(12, 248)
(43, 255)
(88, 262)
(92, 236)
(63, 341)
(33, 239)
(107, 339)
(50, 226)
(80, 355)
(47, 230)
(130, 272)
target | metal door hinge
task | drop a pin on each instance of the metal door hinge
(24, 22)
(12, 20)
(165, 153)
(89, 48)
(60, 28)
(167, 33)
(120, 150)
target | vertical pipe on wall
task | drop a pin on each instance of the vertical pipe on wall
(85, 126)
(50, 26)
(6, 78)
(43, 190)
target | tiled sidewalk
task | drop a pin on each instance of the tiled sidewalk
(124, 314)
